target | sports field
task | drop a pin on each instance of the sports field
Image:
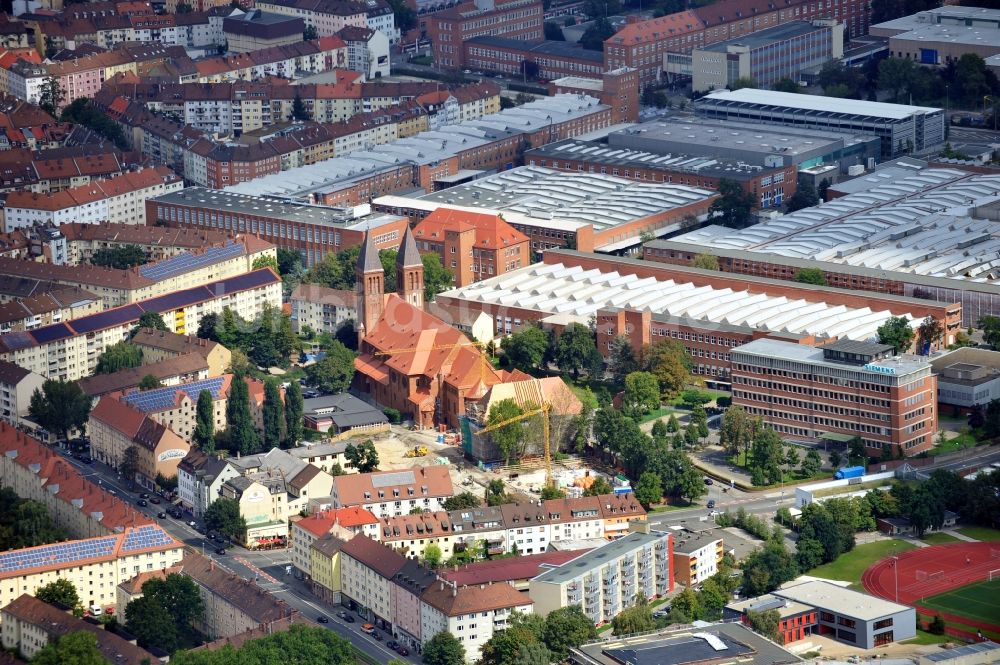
(975, 601)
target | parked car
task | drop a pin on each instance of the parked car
(142, 502)
(221, 551)
(710, 504)
(154, 499)
(402, 651)
(161, 515)
(709, 481)
(144, 496)
(368, 628)
(377, 636)
(322, 619)
(392, 644)
(87, 460)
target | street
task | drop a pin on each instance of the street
(257, 567)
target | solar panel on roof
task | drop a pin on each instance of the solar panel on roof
(145, 537)
(56, 554)
(150, 401)
(107, 319)
(188, 261)
(51, 333)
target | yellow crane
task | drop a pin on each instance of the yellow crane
(543, 410)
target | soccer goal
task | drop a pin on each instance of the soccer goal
(925, 576)
(995, 553)
(995, 574)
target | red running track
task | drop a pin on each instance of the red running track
(960, 564)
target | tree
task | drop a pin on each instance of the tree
(461, 500)
(308, 34)
(504, 648)
(929, 333)
(642, 393)
(805, 196)
(766, 456)
(811, 464)
(496, 493)
(204, 428)
(60, 406)
(743, 82)
(669, 362)
(264, 261)
(551, 491)
(300, 644)
(363, 457)
(856, 451)
(786, 85)
(737, 430)
(766, 623)
(432, 556)
(444, 649)
(406, 17)
(207, 327)
(990, 326)
(734, 206)
(121, 257)
(525, 349)
(553, 32)
(240, 430)
(835, 459)
(810, 276)
(575, 349)
(129, 464)
(79, 648)
(706, 262)
(621, 359)
(635, 619)
(149, 382)
(273, 417)
(648, 490)
(50, 95)
(673, 425)
(151, 623)
(224, 516)
(533, 654)
(896, 75)
(509, 438)
(599, 487)
(897, 333)
(294, 410)
(152, 320)
(59, 592)
(765, 569)
(437, 278)
(594, 37)
(334, 372)
(121, 355)
(567, 628)
(180, 596)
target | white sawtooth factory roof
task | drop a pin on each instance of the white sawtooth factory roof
(796, 101)
(920, 224)
(573, 291)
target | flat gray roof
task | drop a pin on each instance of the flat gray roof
(766, 37)
(770, 348)
(602, 555)
(841, 600)
(795, 101)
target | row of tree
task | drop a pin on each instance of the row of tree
(164, 616)
(25, 522)
(268, 341)
(339, 271)
(529, 639)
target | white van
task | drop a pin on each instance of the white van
(96, 610)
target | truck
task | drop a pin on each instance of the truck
(850, 472)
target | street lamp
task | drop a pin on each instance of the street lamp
(895, 573)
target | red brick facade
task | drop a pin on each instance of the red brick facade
(449, 29)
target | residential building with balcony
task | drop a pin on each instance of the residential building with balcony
(607, 580)
(697, 555)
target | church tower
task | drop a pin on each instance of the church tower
(371, 286)
(410, 271)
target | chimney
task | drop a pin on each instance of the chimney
(631, 19)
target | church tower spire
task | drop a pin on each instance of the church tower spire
(371, 286)
(410, 271)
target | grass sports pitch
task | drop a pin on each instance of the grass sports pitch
(975, 601)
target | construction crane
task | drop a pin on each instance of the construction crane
(543, 410)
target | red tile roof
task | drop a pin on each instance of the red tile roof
(383, 560)
(657, 29)
(492, 232)
(452, 600)
(507, 570)
(319, 524)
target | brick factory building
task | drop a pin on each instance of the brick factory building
(311, 230)
(450, 28)
(618, 88)
(512, 57)
(836, 392)
(769, 185)
(708, 312)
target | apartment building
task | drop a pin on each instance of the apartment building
(159, 345)
(116, 426)
(342, 522)
(367, 51)
(193, 30)
(841, 390)
(473, 245)
(366, 572)
(408, 586)
(16, 387)
(233, 605)
(697, 556)
(393, 493)
(255, 30)
(181, 369)
(118, 200)
(69, 350)
(200, 477)
(450, 28)
(321, 308)
(292, 61)
(324, 568)
(175, 406)
(607, 580)
(472, 614)
(329, 17)
(184, 270)
(156, 242)
(30, 624)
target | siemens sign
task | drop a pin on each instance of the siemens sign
(880, 369)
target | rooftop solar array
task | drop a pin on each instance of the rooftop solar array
(188, 261)
(57, 554)
(145, 537)
(393, 479)
(160, 399)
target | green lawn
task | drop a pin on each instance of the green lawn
(662, 412)
(980, 533)
(939, 538)
(849, 567)
(960, 442)
(667, 508)
(923, 637)
(975, 601)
